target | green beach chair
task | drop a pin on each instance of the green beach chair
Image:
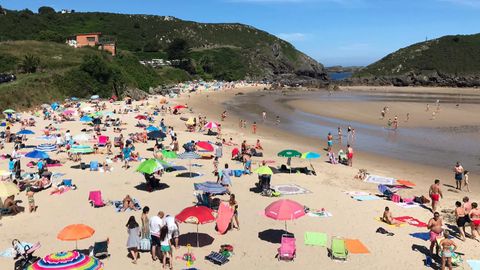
(315, 239)
(339, 249)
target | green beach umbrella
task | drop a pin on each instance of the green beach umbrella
(149, 166)
(169, 154)
(9, 111)
(264, 170)
(81, 149)
(289, 153)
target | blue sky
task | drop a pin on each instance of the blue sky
(334, 32)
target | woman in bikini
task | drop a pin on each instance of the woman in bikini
(448, 250)
(475, 220)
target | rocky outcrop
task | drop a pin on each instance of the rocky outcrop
(135, 94)
(433, 79)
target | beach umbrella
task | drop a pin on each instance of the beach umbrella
(81, 149)
(205, 146)
(264, 170)
(8, 189)
(25, 132)
(156, 134)
(152, 128)
(211, 125)
(169, 154)
(54, 106)
(67, 260)
(285, 210)
(310, 155)
(82, 137)
(289, 154)
(210, 187)
(46, 147)
(9, 111)
(86, 119)
(149, 166)
(37, 154)
(141, 117)
(97, 121)
(189, 156)
(196, 215)
(68, 112)
(179, 107)
(75, 232)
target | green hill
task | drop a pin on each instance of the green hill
(446, 61)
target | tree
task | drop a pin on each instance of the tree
(177, 50)
(46, 10)
(7, 63)
(30, 63)
(151, 46)
(96, 67)
(49, 35)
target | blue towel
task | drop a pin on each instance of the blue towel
(425, 236)
(474, 264)
(238, 173)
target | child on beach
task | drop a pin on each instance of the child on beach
(465, 178)
(31, 201)
(254, 127)
(165, 246)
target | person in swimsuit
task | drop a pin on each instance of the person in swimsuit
(339, 134)
(462, 218)
(465, 179)
(349, 155)
(329, 142)
(448, 250)
(435, 226)
(475, 220)
(234, 205)
(388, 218)
(435, 194)
(458, 170)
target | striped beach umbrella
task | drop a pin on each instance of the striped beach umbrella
(211, 125)
(189, 156)
(67, 260)
(46, 147)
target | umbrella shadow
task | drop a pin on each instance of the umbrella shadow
(188, 175)
(191, 239)
(273, 236)
(144, 187)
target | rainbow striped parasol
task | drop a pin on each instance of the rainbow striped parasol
(67, 260)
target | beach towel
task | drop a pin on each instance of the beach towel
(474, 264)
(408, 205)
(406, 183)
(355, 246)
(315, 239)
(366, 198)
(357, 193)
(60, 191)
(425, 236)
(379, 219)
(379, 180)
(319, 213)
(224, 217)
(290, 189)
(412, 221)
(119, 205)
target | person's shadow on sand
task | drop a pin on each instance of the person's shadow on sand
(436, 260)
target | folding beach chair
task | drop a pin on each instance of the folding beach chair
(338, 250)
(102, 141)
(95, 198)
(100, 250)
(288, 249)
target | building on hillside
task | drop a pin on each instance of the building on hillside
(67, 11)
(93, 40)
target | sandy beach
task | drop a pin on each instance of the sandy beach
(256, 243)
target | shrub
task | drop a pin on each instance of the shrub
(46, 10)
(30, 63)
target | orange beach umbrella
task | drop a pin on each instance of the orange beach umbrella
(75, 232)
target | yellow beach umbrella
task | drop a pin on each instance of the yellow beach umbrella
(8, 189)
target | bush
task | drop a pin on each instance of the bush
(177, 50)
(7, 63)
(46, 10)
(48, 35)
(30, 63)
(151, 46)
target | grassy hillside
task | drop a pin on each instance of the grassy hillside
(148, 36)
(450, 55)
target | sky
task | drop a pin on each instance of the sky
(334, 32)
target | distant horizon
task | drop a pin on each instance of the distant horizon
(333, 32)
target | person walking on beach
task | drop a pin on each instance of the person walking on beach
(435, 226)
(339, 131)
(458, 170)
(155, 224)
(349, 155)
(224, 115)
(448, 250)
(264, 116)
(462, 218)
(465, 178)
(145, 223)
(254, 127)
(234, 205)
(166, 247)
(329, 142)
(435, 194)
(133, 238)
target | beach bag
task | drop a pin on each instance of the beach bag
(144, 244)
(395, 198)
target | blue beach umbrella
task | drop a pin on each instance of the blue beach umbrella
(25, 132)
(37, 154)
(46, 147)
(86, 119)
(152, 128)
(310, 155)
(54, 106)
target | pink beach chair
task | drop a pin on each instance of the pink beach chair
(288, 249)
(103, 140)
(95, 198)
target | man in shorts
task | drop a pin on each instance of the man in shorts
(173, 230)
(435, 194)
(435, 226)
(458, 170)
(155, 224)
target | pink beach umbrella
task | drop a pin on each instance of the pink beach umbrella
(285, 210)
(211, 125)
(68, 112)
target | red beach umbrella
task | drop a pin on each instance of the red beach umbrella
(205, 146)
(196, 215)
(141, 117)
(180, 107)
(285, 210)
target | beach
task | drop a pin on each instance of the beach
(256, 243)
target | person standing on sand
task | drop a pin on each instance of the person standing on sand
(254, 127)
(435, 194)
(349, 155)
(224, 115)
(339, 130)
(475, 220)
(155, 224)
(465, 178)
(329, 142)
(448, 250)
(408, 117)
(461, 218)
(458, 170)
(133, 238)
(428, 108)
(264, 116)
(435, 226)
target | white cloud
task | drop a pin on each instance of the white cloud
(470, 3)
(292, 36)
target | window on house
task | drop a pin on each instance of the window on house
(91, 39)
